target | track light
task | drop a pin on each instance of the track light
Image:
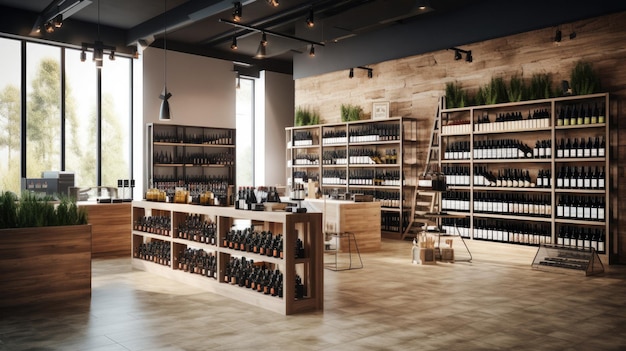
(458, 54)
(312, 51)
(49, 27)
(370, 73)
(98, 52)
(273, 3)
(263, 39)
(58, 21)
(260, 52)
(233, 46)
(310, 20)
(237, 11)
(112, 56)
(351, 74)
(422, 4)
(83, 56)
(99, 64)
(238, 84)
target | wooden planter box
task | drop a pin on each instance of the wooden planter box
(45, 264)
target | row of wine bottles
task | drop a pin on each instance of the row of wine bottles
(583, 238)
(306, 159)
(582, 149)
(195, 228)
(498, 203)
(581, 207)
(304, 176)
(248, 197)
(154, 251)
(374, 132)
(581, 114)
(489, 149)
(388, 199)
(258, 277)
(515, 232)
(196, 185)
(197, 158)
(262, 243)
(391, 222)
(160, 225)
(517, 178)
(374, 177)
(198, 261)
(302, 138)
(570, 177)
(215, 138)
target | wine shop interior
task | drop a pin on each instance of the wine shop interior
(312, 175)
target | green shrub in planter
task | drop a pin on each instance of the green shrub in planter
(540, 87)
(584, 80)
(32, 210)
(516, 90)
(455, 96)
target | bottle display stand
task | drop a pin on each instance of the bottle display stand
(569, 260)
(301, 267)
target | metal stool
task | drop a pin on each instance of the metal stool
(334, 266)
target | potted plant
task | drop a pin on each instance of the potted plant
(584, 79)
(46, 250)
(351, 113)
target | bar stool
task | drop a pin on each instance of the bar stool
(334, 266)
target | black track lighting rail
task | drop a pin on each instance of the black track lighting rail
(458, 52)
(271, 32)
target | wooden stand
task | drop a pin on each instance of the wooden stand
(110, 224)
(305, 226)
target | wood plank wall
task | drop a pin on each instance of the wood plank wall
(414, 84)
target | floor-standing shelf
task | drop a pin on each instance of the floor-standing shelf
(304, 226)
(372, 157)
(558, 147)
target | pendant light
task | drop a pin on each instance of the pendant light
(164, 114)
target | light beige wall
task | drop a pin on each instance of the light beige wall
(279, 112)
(203, 89)
(414, 84)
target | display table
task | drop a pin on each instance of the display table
(359, 218)
(110, 225)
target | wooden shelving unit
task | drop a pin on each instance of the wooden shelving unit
(305, 226)
(319, 150)
(465, 126)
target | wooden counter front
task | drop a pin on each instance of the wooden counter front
(360, 218)
(110, 225)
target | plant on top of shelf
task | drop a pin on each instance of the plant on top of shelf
(540, 86)
(584, 79)
(351, 113)
(455, 96)
(306, 117)
(516, 90)
(492, 93)
(33, 210)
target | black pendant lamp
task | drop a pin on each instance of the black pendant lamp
(164, 113)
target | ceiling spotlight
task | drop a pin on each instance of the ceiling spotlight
(112, 56)
(58, 21)
(98, 52)
(457, 55)
(233, 45)
(312, 51)
(49, 27)
(422, 4)
(83, 56)
(263, 39)
(468, 56)
(572, 35)
(557, 36)
(310, 20)
(351, 74)
(370, 73)
(273, 3)
(237, 11)
(99, 64)
(260, 52)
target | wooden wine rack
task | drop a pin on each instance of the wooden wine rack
(305, 226)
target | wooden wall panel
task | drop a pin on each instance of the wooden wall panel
(43, 265)
(110, 229)
(414, 84)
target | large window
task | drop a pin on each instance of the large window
(10, 106)
(43, 109)
(69, 126)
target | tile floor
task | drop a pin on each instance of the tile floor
(497, 302)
